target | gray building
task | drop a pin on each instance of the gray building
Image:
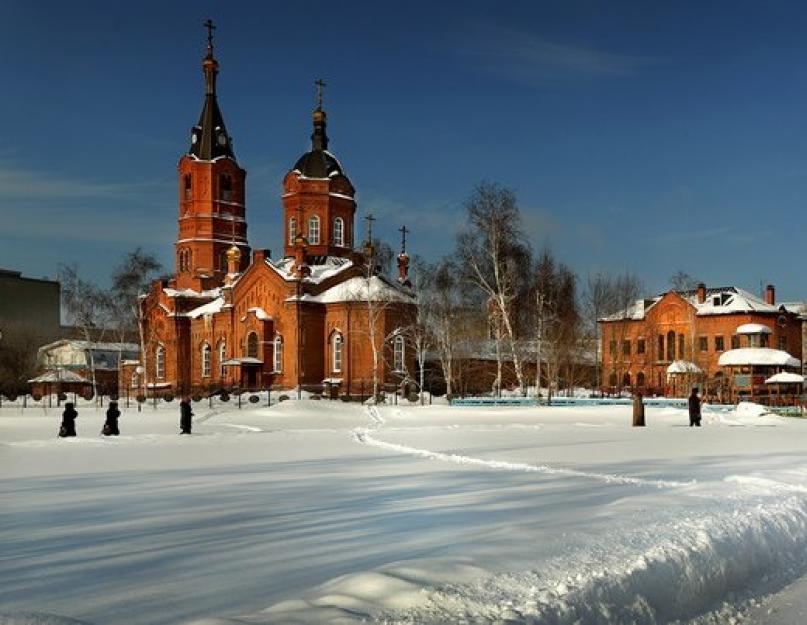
(29, 301)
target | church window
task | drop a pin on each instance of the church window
(313, 230)
(205, 360)
(626, 347)
(278, 356)
(640, 346)
(226, 187)
(781, 342)
(719, 346)
(398, 353)
(681, 345)
(292, 230)
(252, 345)
(337, 353)
(339, 232)
(626, 379)
(159, 362)
(222, 358)
(661, 347)
(187, 186)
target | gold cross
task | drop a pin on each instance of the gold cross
(210, 28)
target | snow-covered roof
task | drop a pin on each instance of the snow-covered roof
(245, 360)
(191, 293)
(718, 301)
(358, 289)
(207, 309)
(260, 313)
(785, 377)
(59, 375)
(683, 366)
(329, 267)
(93, 345)
(754, 328)
(761, 356)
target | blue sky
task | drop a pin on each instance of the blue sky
(651, 137)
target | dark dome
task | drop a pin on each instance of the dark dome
(318, 164)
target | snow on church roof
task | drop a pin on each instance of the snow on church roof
(207, 309)
(358, 289)
(683, 366)
(758, 356)
(331, 266)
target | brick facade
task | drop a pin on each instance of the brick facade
(639, 345)
(232, 318)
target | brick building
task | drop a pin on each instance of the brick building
(668, 343)
(233, 317)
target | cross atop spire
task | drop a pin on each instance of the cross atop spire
(403, 230)
(369, 219)
(210, 28)
(320, 84)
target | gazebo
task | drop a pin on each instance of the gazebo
(59, 381)
(749, 368)
(682, 375)
(788, 387)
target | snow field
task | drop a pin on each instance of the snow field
(313, 512)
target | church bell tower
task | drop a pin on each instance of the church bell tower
(212, 209)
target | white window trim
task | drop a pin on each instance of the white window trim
(277, 355)
(336, 364)
(159, 362)
(207, 359)
(313, 229)
(398, 366)
(292, 230)
(339, 232)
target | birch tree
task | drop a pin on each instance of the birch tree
(494, 258)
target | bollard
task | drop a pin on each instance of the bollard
(638, 411)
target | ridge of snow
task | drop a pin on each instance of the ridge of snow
(762, 356)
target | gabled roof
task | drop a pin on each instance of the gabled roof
(328, 267)
(726, 300)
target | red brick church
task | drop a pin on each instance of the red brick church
(233, 317)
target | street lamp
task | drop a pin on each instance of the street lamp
(140, 371)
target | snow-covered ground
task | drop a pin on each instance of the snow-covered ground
(315, 511)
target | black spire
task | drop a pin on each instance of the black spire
(319, 163)
(209, 138)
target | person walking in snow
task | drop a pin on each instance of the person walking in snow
(694, 408)
(69, 416)
(185, 416)
(111, 423)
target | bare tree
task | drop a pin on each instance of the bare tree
(682, 281)
(131, 279)
(599, 302)
(88, 309)
(495, 258)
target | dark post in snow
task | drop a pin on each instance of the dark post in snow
(638, 410)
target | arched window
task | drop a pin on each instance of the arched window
(252, 345)
(292, 230)
(205, 360)
(336, 353)
(187, 187)
(226, 187)
(398, 353)
(313, 230)
(670, 345)
(681, 346)
(339, 232)
(278, 356)
(626, 379)
(660, 347)
(612, 379)
(159, 362)
(222, 353)
(640, 380)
